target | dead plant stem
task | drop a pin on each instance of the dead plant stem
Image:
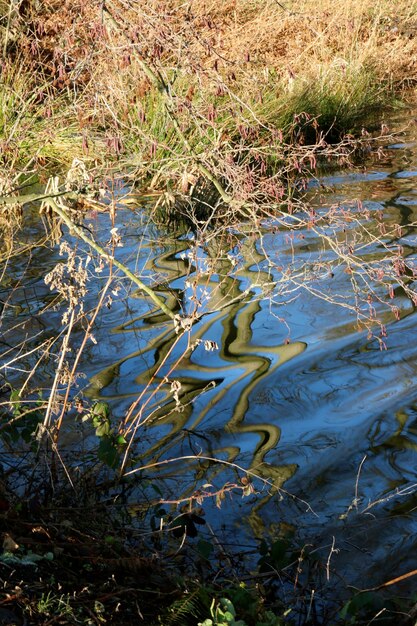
(77, 358)
(64, 349)
(137, 281)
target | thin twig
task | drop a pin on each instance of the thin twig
(137, 281)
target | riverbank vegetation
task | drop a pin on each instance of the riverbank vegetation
(153, 87)
(217, 118)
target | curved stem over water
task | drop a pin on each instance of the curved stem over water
(126, 271)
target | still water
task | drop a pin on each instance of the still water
(278, 381)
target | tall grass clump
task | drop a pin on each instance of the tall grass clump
(335, 101)
(38, 130)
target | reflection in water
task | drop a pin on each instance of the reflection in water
(222, 380)
(303, 414)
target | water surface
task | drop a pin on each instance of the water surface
(279, 381)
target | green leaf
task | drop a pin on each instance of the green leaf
(269, 619)
(109, 540)
(15, 402)
(103, 429)
(27, 434)
(226, 604)
(100, 410)
(108, 452)
(353, 607)
(278, 551)
(204, 548)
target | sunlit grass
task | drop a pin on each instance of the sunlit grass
(339, 98)
(229, 67)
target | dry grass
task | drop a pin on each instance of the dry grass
(231, 64)
(311, 34)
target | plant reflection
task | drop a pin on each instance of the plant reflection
(221, 372)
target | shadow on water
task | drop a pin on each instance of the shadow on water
(327, 414)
